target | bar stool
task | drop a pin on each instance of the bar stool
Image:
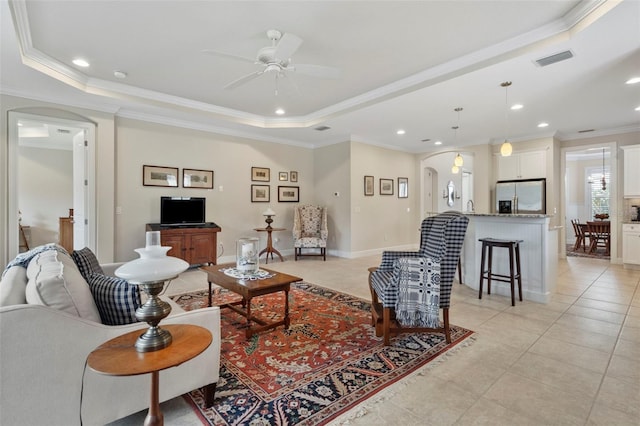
(514, 247)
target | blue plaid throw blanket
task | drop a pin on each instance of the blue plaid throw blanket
(418, 303)
(23, 259)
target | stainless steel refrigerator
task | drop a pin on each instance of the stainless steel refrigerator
(521, 196)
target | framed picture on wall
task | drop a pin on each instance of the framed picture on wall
(386, 186)
(260, 174)
(283, 176)
(293, 176)
(403, 187)
(192, 178)
(288, 194)
(159, 176)
(260, 193)
(368, 185)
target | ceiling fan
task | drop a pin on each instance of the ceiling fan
(276, 59)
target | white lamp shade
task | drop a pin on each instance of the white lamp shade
(455, 169)
(506, 149)
(458, 161)
(153, 265)
(269, 212)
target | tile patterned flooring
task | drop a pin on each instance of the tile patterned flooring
(573, 361)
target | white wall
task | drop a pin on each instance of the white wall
(45, 185)
(140, 143)
(383, 221)
(332, 167)
(119, 170)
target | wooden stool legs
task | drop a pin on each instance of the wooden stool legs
(514, 273)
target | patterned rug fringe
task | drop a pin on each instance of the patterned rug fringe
(386, 394)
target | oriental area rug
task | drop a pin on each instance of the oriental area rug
(327, 362)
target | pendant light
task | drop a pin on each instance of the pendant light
(506, 149)
(458, 161)
(604, 182)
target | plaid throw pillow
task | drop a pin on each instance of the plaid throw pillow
(86, 262)
(116, 299)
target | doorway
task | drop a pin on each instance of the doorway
(51, 169)
(582, 194)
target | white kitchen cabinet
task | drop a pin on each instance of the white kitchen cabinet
(631, 171)
(523, 165)
(631, 244)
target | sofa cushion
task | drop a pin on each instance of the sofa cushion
(55, 281)
(13, 286)
(117, 300)
(87, 262)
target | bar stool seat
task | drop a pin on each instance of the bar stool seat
(514, 274)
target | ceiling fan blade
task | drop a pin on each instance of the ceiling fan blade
(228, 55)
(242, 80)
(317, 70)
(287, 46)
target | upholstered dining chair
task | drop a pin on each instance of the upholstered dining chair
(310, 231)
(409, 288)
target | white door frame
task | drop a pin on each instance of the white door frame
(88, 159)
(613, 196)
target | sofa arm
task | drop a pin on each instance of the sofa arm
(44, 372)
(110, 268)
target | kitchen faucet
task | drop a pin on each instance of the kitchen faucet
(472, 208)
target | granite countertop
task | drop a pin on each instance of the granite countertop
(536, 216)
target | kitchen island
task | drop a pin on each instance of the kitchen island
(538, 252)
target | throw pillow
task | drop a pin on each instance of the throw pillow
(116, 299)
(13, 286)
(54, 281)
(87, 262)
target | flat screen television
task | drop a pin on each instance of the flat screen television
(182, 210)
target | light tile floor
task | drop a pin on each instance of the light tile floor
(573, 361)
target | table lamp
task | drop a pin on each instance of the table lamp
(149, 273)
(269, 213)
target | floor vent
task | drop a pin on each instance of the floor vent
(543, 62)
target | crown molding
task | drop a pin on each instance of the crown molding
(579, 17)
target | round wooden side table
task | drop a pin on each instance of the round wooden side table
(269, 249)
(119, 357)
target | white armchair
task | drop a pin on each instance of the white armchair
(310, 231)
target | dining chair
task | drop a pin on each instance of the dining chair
(599, 235)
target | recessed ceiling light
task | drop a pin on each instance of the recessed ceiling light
(543, 124)
(120, 74)
(633, 80)
(400, 132)
(280, 111)
(517, 106)
(437, 143)
(638, 108)
(80, 62)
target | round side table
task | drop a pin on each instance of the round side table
(119, 357)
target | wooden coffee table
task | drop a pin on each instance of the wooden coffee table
(249, 289)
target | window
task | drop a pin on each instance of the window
(598, 197)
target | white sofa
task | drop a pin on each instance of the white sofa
(44, 378)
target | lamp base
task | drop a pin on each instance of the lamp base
(152, 312)
(154, 339)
